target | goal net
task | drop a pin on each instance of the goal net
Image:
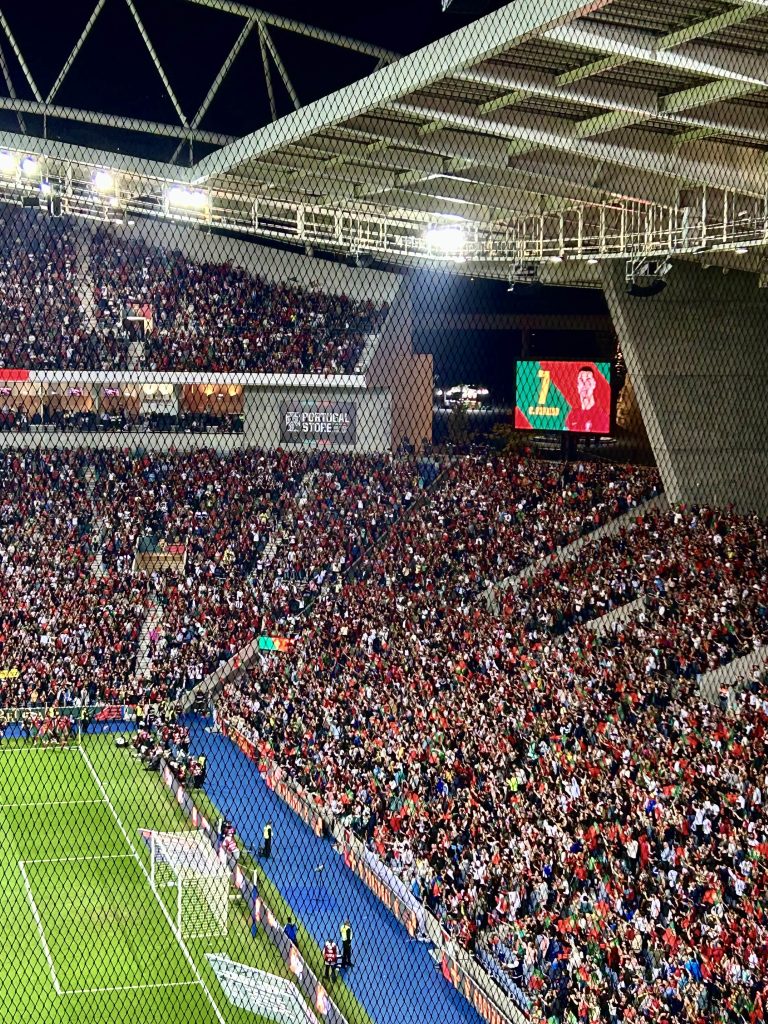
(185, 864)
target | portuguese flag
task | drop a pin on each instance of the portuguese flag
(275, 643)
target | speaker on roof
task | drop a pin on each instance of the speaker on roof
(645, 291)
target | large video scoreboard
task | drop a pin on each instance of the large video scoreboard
(573, 396)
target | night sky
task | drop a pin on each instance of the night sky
(114, 73)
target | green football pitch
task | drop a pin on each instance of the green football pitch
(83, 935)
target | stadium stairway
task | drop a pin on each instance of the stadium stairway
(727, 681)
(213, 682)
(152, 622)
(394, 977)
(615, 616)
(369, 351)
(303, 491)
(490, 595)
(84, 283)
(98, 568)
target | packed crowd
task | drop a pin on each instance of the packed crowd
(66, 635)
(210, 316)
(257, 534)
(66, 297)
(559, 797)
(493, 516)
(42, 324)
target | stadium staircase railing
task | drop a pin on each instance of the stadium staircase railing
(245, 656)
(490, 595)
(721, 685)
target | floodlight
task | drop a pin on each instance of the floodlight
(103, 181)
(45, 188)
(445, 239)
(29, 165)
(187, 198)
(8, 163)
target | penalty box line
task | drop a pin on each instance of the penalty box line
(49, 803)
(127, 988)
(176, 934)
(46, 949)
(40, 930)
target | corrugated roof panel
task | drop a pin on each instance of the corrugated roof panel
(658, 18)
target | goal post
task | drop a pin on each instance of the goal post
(193, 883)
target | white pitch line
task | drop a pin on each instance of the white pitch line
(125, 988)
(51, 803)
(75, 860)
(35, 750)
(39, 923)
(166, 915)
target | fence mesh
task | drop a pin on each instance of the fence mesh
(383, 495)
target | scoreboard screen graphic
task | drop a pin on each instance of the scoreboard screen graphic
(568, 396)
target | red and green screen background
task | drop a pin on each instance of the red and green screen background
(547, 396)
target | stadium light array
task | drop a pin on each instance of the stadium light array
(187, 198)
(446, 240)
(103, 181)
(29, 166)
(8, 164)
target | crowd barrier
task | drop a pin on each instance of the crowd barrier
(262, 915)
(275, 778)
(456, 965)
(385, 884)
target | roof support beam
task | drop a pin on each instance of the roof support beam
(130, 124)
(156, 61)
(10, 87)
(59, 153)
(479, 41)
(739, 170)
(624, 105)
(701, 59)
(267, 74)
(698, 30)
(280, 67)
(20, 58)
(218, 80)
(290, 25)
(75, 50)
(485, 158)
(668, 106)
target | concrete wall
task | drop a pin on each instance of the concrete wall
(407, 377)
(697, 355)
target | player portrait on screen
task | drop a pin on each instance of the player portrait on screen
(588, 417)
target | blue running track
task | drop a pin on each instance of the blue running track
(393, 976)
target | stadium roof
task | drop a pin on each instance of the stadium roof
(547, 129)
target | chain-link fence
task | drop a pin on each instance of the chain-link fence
(383, 495)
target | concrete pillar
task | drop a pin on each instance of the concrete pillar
(697, 355)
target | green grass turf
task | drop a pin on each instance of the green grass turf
(76, 904)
